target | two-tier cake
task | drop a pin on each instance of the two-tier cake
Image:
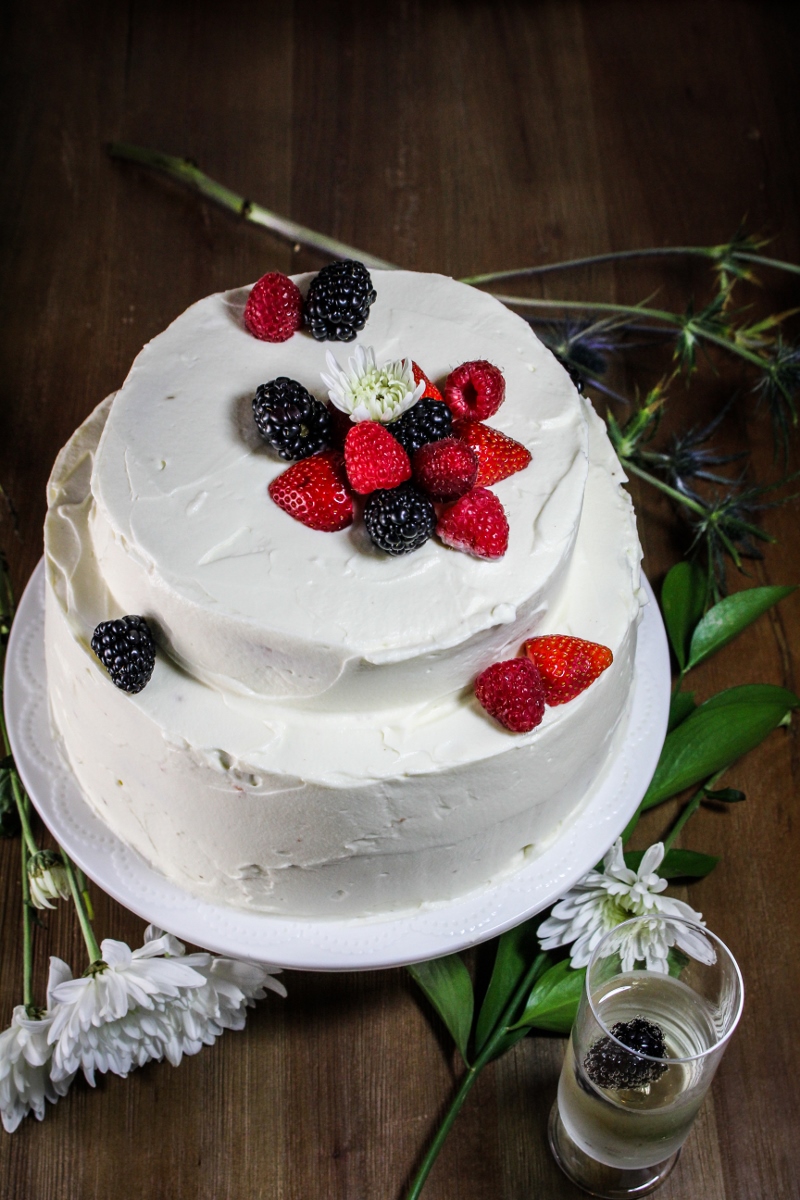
(310, 742)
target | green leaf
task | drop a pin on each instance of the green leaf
(726, 620)
(715, 735)
(680, 706)
(9, 817)
(677, 864)
(553, 1003)
(683, 598)
(676, 961)
(446, 983)
(727, 795)
(516, 949)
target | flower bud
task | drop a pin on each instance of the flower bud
(47, 877)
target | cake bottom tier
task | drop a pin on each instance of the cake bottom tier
(288, 810)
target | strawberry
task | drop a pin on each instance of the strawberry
(512, 692)
(445, 469)
(274, 309)
(314, 491)
(498, 454)
(475, 390)
(431, 391)
(566, 664)
(476, 523)
(373, 458)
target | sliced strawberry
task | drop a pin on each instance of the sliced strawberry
(315, 492)
(475, 390)
(431, 391)
(566, 664)
(498, 454)
(374, 459)
(274, 309)
(512, 693)
(476, 523)
(445, 469)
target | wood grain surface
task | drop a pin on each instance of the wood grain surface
(457, 137)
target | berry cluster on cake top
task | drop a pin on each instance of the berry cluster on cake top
(422, 458)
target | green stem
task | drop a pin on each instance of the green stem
(22, 803)
(86, 926)
(487, 1053)
(708, 252)
(690, 809)
(186, 172)
(672, 492)
(777, 263)
(27, 938)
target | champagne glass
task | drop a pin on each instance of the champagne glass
(661, 1000)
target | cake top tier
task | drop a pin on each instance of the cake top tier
(248, 599)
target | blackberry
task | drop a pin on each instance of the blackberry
(609, 1066)
(399, 519)
(428, 421)
(338, 301)
(127, 651)
(291, 419)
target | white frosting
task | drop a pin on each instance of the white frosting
(363, 777)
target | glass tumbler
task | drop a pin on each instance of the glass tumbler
(643, 1050)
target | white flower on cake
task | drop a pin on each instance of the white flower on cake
(47, 878)
(25, 1056)
(603, 899)
(367, 392)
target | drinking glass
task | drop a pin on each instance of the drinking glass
(642, 1053)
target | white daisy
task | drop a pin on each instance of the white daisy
(604, 899)
(367, 392)
(47, 878)
(25, 1055)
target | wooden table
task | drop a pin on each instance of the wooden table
(456, 137)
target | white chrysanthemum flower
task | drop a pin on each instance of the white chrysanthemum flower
(25, 1055)
(603, 899)
(47, 878)
(367, 392)
(113, 1018)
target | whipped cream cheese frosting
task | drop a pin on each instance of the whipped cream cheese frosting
(310, 743)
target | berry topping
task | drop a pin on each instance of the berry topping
(400, 520)
(609, 1066)
(567, 665)
(498, 455)
(475, 390)
(291, 419)
(127, 650)
(431, 391)
(476, 523)
(338, 301)
(274, 309)
(315, 492)
(445, 469)
(373, 458)
(428, 421)
(512, 693)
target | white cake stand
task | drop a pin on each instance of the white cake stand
(328, 945)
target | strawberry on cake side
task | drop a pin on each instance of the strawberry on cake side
(330, 545)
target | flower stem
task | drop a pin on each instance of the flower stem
(690, 809)
(486, 1055)
(184, 171)
(86, 926)
(672, 492)
(27, 939)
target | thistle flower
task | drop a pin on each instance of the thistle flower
(689, 458)
(604, 899)
(367, 392)
(584, 349)
(47, 878)
(712, 322)
(778, 385)
(25, 1056)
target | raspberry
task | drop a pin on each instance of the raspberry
(431, 391)
(566, 664)
(477, 524)
(498, 455)
(315, 492)
(399, 520)
(428, 421)
(274, 309)
(512, 693)
(338, 301)
(475, 390)
(291, 419)
(609, 1066)
(445, 469)
(127, 650)
(373, 458)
